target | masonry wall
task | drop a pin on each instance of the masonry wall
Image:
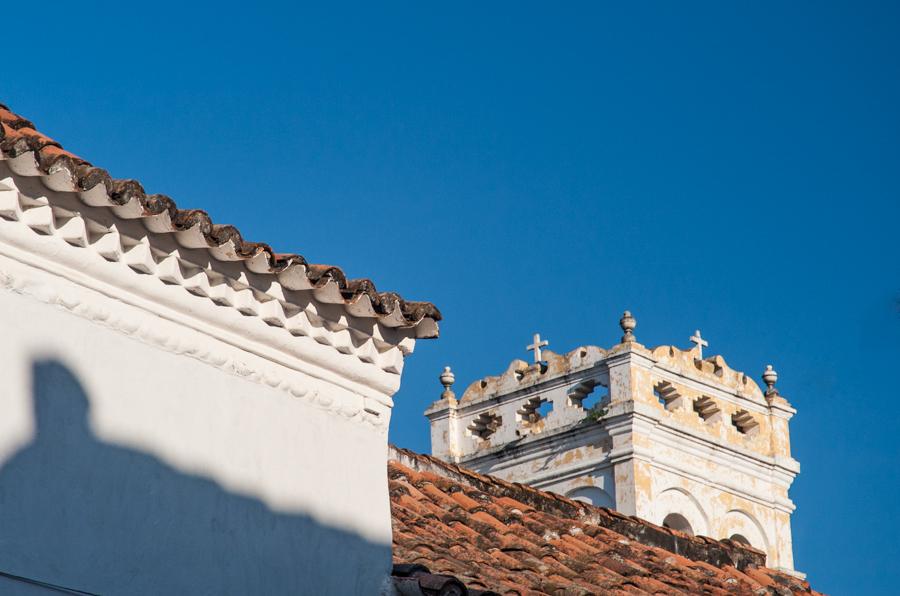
(719, 479)
(134, 462)
(719, 513)
(574, 463)
(668, 434)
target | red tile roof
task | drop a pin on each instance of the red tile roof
(18, 138)
(453, 525)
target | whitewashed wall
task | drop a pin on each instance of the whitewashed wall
(140, 456)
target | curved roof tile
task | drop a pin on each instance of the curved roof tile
(19, 136)
(491, 535)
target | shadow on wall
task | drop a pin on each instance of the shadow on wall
(94, 517)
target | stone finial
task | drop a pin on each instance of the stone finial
(447, 379)
(770, 377)
(628, 323)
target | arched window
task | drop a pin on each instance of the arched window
(683, 505)
(743, 528)
(592, 495)
(740, 539)
(676, 521)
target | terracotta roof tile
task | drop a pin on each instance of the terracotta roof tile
(19, 137)
(465, 501)
(513, 504)
(514, 539)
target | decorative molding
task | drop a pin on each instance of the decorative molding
(118, 237)
(35, 282)
(541, 452)
(762, 468)
(532, 446)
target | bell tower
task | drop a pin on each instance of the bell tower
(666, 434)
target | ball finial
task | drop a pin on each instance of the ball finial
(627, 323)
(447, 379)
(770, 377)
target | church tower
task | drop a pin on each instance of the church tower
(665, 434)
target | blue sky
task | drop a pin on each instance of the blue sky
(530, 168)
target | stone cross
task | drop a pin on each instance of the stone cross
(700, 342)
(536, 346)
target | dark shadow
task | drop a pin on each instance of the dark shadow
(86, 515)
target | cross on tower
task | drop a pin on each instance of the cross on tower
(700, 343)
(536, 346)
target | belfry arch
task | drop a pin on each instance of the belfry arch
(676, 504)
(593, 495)
(676, 521)
(740, 524)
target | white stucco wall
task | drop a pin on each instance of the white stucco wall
(128, 467)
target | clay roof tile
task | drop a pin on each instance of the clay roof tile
(555, 545)
(19, 136)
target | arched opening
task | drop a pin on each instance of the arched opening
(676, 521)
(741, 539)
(743, 528)
(592, 495)
(678, 501)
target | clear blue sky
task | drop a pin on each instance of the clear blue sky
(535, 169)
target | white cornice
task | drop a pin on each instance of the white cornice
(663, 431)
(33, 279)
(531, 446)
(769, 470)
(92, 247)
(779, 471)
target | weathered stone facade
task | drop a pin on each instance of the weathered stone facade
(663, 433)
